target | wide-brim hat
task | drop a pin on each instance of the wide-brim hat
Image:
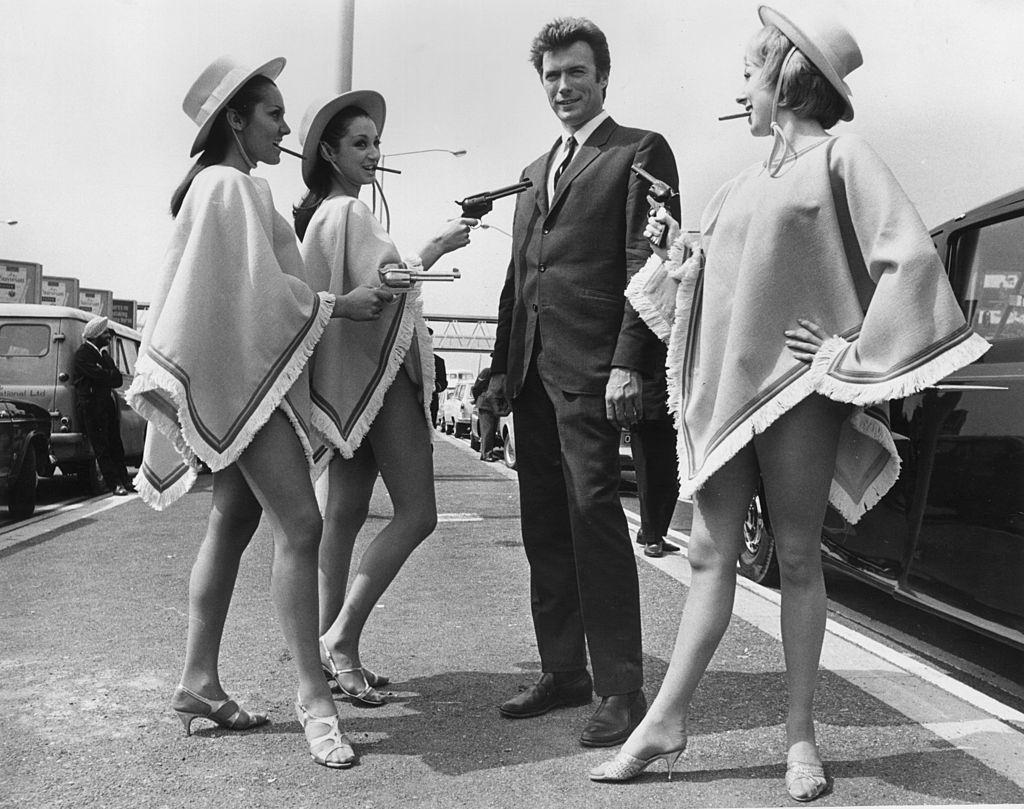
(215, 87)
(319, 114)
(824, 40)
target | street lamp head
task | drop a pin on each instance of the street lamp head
(452, 152)
(10, 221)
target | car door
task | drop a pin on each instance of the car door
(966, 515)
(125, 352)
(949, 535)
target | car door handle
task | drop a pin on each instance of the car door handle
(956, 386)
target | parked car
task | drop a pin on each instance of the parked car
(457, 409)
(507, 431)
(37, 351)
(24, 454)
(949, 536)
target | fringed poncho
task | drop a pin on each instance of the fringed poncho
(357, 361)
(229, 332)
(831, 238)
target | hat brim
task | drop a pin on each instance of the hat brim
(369, 100)
(271, 70)
(770, 16)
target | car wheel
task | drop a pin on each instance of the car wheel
(509, 450)
(757, 558)
(23, 494)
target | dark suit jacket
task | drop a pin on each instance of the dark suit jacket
(94, 373)
(571, 259)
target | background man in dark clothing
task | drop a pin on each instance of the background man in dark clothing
(95, 378)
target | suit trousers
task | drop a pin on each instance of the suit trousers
(653, 444)
(583, 579)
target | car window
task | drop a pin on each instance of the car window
(24, 340)
(990, 260)
(124, 353)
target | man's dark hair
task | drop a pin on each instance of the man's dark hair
(563, 32)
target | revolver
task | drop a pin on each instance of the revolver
(660, 191)
(477, 205)
(400, 280)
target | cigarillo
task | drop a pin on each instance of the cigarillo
(289, 151)
(734, 115)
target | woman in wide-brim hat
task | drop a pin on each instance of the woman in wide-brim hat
(221, 378)
(371, 382)
(818, 240)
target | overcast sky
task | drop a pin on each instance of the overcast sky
(94, 140)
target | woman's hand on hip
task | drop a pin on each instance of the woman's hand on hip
(804, 342)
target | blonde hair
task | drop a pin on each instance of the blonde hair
(805, 91)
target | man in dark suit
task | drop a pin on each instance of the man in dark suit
(570, 355)
(96, 377)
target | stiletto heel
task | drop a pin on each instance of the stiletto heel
(339, 742)
(225, 713)
(625, 767)
(368, 696)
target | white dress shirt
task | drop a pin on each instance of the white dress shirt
(581, 136)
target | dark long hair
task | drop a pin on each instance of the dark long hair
(320, 183)
(218, 142)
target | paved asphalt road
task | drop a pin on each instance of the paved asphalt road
(93, 619)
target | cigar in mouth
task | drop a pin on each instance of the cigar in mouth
(734, 115)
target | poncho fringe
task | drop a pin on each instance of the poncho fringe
(669, 296)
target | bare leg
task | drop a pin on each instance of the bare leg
(233, 520)
(715, 543)
(351, 482)
(401, 446)
(797, 458)
(275, 468)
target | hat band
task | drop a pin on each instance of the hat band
(222, 93)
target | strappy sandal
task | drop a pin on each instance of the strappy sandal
(806, 780)
(339, 755)
(225, 713)
(368, 696)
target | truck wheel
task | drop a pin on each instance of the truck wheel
(23, 493)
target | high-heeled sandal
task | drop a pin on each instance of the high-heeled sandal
(340, 755)
(625, 767)
(225, 713)
(806, 780)
(375, 680)
(368, 696)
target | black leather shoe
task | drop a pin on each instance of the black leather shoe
(119, 490)
(668, 547)
(655, 550)
(546, 694)
(617, 717)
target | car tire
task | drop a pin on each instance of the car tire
(757, 558)
(22, 502)
(509, 450)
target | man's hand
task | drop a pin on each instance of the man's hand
(623, 398)
(496, 397)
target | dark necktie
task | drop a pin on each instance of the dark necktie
(571, 143)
